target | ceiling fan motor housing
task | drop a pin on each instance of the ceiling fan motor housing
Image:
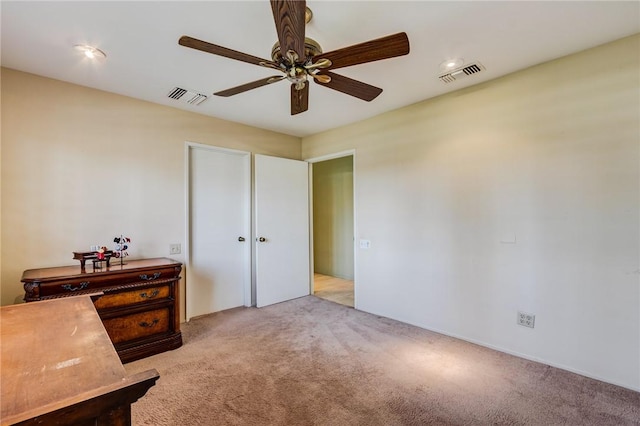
(294, 68)
(311, 48)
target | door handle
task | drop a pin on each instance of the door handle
(262, 239)
(241, 239)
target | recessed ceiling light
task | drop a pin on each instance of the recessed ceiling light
(90, 51)
(450, 64)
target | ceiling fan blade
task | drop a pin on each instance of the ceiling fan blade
(204, 46)
(369, 51)
(289, 19)
(249, 86)
(299, 99)
(352, 87)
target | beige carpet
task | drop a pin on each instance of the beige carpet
(313, 362)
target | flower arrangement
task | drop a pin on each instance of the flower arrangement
(100, 255)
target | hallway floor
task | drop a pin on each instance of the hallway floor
(334, 289)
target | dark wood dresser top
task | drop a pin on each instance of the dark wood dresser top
(58, 272)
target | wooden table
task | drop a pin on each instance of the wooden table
(60, 367)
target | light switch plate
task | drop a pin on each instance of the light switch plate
(365, 244)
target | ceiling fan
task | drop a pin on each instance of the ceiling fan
(301, 59)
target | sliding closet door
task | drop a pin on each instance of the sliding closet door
(282, 229)
(219, 252)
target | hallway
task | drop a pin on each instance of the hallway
(334, 289)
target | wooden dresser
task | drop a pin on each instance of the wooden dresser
(60, 368)
(139, 308)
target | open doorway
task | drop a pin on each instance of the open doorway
(333, 230)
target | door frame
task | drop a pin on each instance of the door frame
(188, 147)
(340, 154)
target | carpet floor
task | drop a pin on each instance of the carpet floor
(314, 362)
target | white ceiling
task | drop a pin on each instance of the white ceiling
(145, 61)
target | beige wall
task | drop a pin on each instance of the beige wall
(519, 194)
(80, 166)
(333, 217)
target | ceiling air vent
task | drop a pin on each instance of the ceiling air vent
(462, 72)
(187, 96)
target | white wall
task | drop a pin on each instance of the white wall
(550, 156)
(80, 166)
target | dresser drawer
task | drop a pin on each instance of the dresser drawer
(140, 295)
(68, 287)
(148, 276)
(103, 281)
(135, 326)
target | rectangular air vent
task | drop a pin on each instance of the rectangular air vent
(461, 72)
(187, 96)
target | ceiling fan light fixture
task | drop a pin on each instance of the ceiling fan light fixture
(90, 51)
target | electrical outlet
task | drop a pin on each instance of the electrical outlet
(526, 320)
(175, 249)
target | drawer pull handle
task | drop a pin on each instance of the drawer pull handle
(153, 294)
(70, 287)
(149, 278)
(149, 324)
